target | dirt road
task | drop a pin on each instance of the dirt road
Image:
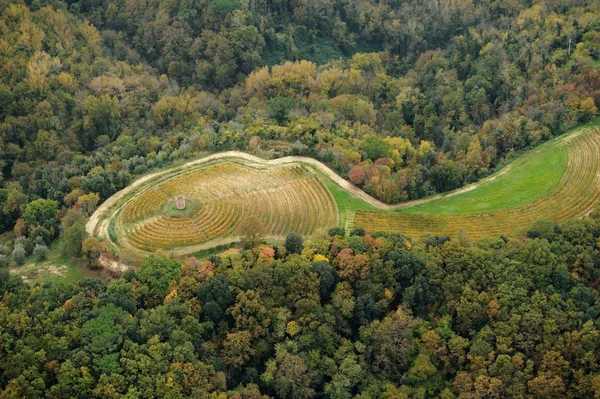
(98, 225)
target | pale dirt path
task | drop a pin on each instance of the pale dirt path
(357, 192)
(96, 227)
(94, 219)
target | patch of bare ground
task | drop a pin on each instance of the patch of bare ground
(31, 271)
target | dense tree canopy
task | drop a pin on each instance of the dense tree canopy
(424, 318)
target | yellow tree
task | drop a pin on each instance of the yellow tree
(252, 231)
(88, 203)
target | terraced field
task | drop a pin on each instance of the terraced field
(558, 180)
(286, 198)
(570, 192)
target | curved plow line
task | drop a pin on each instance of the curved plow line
(297, 186)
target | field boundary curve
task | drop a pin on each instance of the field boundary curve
(92, 226)
(102, 219)
(575, 195)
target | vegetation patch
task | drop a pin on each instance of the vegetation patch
(567, 188)
(55, 268)
(218, 196)
(206, 253)
(192, 206)
(111, 229)
(524, 181)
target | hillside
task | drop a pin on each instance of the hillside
(558, 181)
(329, 199)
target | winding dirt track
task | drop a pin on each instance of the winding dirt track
(93, 226)
(99, 221)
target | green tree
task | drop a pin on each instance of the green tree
(346, 377)
(40, 252)
(237, 349)
(294, 378)
(279, 109)
(215, 298)
(42, 212)
(46, 146)
(8, 216)
(252, 231)
(294, 243)
(327, 277)
(376, 147)
(74, 233)
(102, 337)
(73, 382)
(19, 254)
(102, 117)
(542, 229)
(390, 344)
(157, 272)
(223, 7)
(250, 314)
(448, 176)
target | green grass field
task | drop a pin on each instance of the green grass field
(531, 176)
(528, 179)
(557, 181)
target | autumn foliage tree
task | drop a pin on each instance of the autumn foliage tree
(252, 231)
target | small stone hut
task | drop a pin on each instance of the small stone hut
(180, 202)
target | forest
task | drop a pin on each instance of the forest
(358, 316)
(403, 98)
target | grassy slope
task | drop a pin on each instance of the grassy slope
(528, 178)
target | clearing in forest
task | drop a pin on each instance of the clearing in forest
(285, 198)
(558, 180)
